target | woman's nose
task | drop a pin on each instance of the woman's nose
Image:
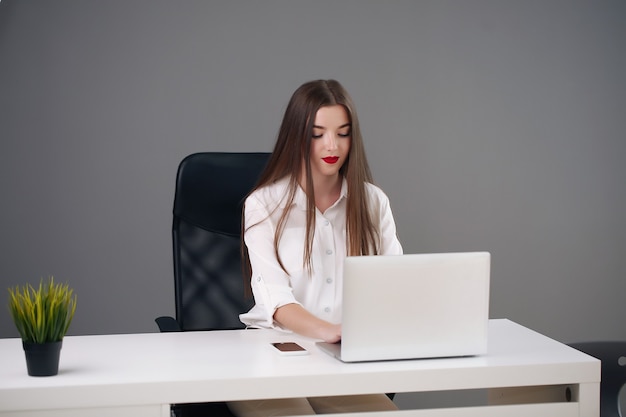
(331, 141)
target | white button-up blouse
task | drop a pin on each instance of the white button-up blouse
(319, 292)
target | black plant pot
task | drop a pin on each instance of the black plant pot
(42, 359)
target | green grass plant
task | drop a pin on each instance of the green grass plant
(44, 314)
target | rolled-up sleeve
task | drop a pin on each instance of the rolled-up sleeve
(270, 284)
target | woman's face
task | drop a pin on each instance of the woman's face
(330, 144)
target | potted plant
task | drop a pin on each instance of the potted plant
(42, 317)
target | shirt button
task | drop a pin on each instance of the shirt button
(326, 223)
(258, 279)
(329, 280)
(327, 310)
(329, 252)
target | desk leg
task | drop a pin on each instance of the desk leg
(589, 399)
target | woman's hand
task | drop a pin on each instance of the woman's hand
(295, 318)
(331, 333)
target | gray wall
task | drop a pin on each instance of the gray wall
(492, 125)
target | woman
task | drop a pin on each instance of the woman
(314, 205)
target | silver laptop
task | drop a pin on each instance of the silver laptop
(414, 306)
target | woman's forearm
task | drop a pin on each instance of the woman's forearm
(297, 319)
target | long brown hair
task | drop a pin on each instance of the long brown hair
(293, 148)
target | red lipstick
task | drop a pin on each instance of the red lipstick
(331, 159)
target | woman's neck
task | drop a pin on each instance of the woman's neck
(327, 192)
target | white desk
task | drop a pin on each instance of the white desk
(140, 374)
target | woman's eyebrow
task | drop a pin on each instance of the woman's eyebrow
(340, 127)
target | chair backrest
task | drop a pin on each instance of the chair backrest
(612, 355)
(206, 231)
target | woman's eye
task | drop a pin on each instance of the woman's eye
(317, 136)
(344, 135)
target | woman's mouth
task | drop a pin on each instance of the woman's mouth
(331, 159)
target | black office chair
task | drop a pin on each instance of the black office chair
(206, 232)
(613, 358)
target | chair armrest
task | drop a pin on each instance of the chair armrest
(167, 324)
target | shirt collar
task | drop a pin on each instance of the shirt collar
(300, 198)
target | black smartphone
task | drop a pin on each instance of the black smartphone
(290, 348)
